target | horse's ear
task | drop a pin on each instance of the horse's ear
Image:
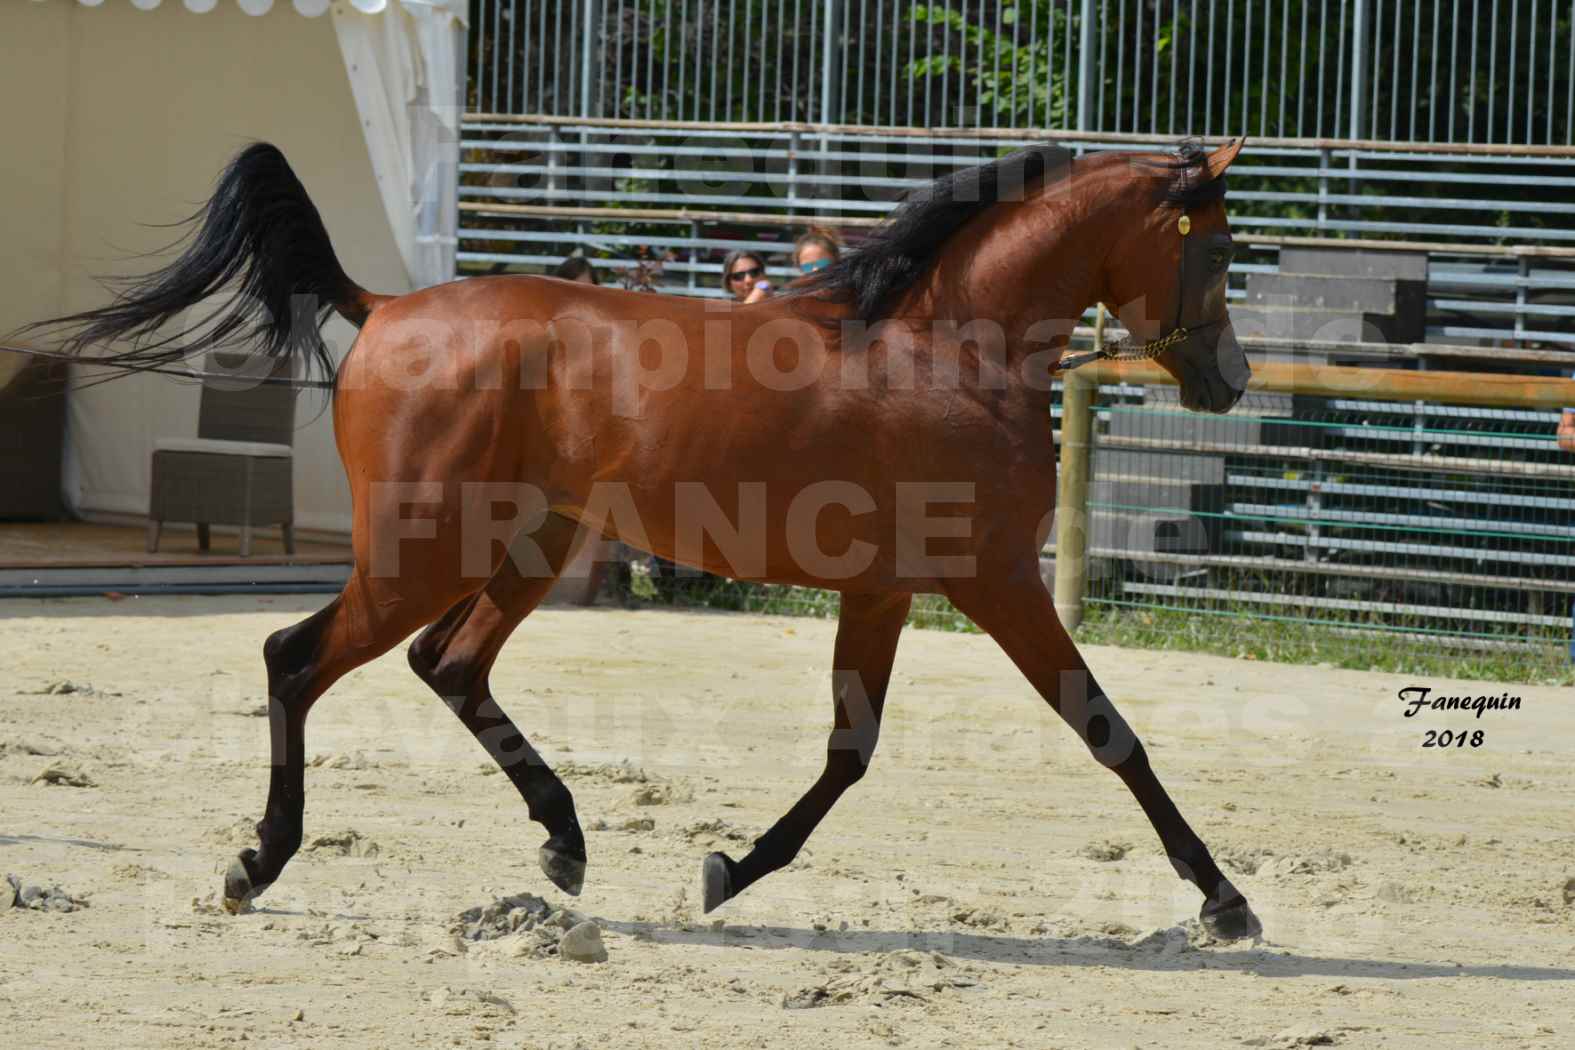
(1221, 158)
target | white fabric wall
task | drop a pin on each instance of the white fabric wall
(125, 113)
(406, 70)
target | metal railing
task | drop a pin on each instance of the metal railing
(536, 188)
(1360, 516)
(1374, 502)
(688, 128)
(1499, 71)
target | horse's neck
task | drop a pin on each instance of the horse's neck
(1027, 263)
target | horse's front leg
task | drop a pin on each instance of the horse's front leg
(867, 630)
(1018, 613)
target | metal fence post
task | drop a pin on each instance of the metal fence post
(589, 106)
(828, 46)
(795, 145)
(553, 163)
(1325, 160)
(829, 102)
(1314, 501)
(1085, 66)
(694, 257)
(1071, 512)
(1359, 59)
(1522, 272)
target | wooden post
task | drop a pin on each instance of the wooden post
(1071, 512)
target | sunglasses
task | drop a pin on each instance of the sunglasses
(813, 265)
(746, 275)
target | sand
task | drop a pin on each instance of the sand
(987, 884)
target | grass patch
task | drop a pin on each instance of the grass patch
(1221, 632)
(929, 611)
(1283, 641)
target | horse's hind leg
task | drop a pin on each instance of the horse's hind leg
(455, 656)
(867, 630)
(1019, 614)
(303, 661)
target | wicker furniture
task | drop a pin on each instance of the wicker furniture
(238, 470)
(32, 432)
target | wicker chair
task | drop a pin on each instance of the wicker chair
(238, 470)
(33, 408)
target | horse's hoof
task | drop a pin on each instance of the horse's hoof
(716, 881)
(238, 888)
(1230, 922)
(566, 871)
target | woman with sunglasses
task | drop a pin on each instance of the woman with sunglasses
(816, 249)
(744, 277)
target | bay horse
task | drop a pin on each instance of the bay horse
(809, 439)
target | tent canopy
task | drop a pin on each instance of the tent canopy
(405, 63)
(101, 159)
(309, 8)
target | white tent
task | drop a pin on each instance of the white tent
(120, 113)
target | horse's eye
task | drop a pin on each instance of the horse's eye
(1220, 257)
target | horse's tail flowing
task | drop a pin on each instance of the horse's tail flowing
(259, 237)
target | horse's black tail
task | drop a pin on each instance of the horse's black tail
(260, 240)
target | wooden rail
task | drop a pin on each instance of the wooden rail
(1373, 384)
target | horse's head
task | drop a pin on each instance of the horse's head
(1167, 278)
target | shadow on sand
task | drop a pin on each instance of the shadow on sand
(9, 839)
(1265, 960)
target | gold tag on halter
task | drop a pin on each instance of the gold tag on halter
(1184, 224)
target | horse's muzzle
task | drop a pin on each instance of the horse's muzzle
(1220, 377)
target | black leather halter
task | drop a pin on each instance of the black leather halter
(1123, 350)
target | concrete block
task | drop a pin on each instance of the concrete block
(1233, 429)
(1354, 262)
(1252, 403)
(1256, 321)
(1113, 462)
(1138, 534)
(1153, 494)
(1405, 301)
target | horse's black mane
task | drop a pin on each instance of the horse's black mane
(899, 251)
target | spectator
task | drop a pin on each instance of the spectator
(576, 268)
(744, 277)
(816, 249)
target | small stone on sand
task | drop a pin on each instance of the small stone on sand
(64, 776)
(583, 943)
(37, 898)
(1106, 852)
(346, 843)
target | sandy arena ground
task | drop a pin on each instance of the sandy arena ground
(987, 885)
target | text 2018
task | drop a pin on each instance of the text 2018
(1452, 738)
